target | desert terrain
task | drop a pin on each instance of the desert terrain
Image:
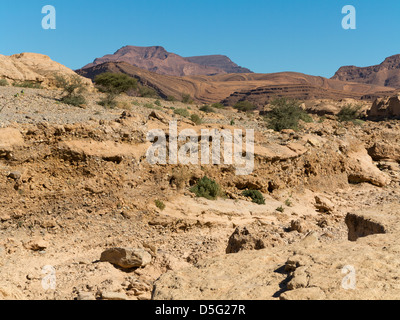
(80, 205)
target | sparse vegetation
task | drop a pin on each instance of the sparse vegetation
(207, 109)
(186, 98)
(73, 89)
(349, 113)
(286, 114)
(3, 82)
(171, 98)
(207, 188)
(280, 209)
(27, 84)
(147, 92)
(196, 119)
(182, 112)
(157, 103)
(255, 195)
(245, 106)
(159, 204)
(217, 106)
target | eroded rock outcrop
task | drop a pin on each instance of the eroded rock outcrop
(35, 68)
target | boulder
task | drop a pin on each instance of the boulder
(385, 108)
(126, 258)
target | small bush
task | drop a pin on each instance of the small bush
(207, 188)
(196, 119)
(182, 112)
(207, 109)
(28, 84)
(349, 113)
(159, 204)
(109, 101)
(151, 106)
(217, 106)
(147, 92)
(245, 106)
(171, 98)
(280, 209)
(255, 195)
(286, 114)
(73, 89)
(232, 123)
(74, 100)
(186, 98)
(157, 103)
(3, 82)
(115, 83)
(125, 105)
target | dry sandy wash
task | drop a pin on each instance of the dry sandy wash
(77, 194)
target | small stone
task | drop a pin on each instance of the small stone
(86, 296)
(114, 296)
(16, 175)
(36, 244)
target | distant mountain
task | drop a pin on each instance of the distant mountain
(157, 59)
(254, 87)
(219, 61)
(386, 74)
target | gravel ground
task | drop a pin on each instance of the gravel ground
(38, 105)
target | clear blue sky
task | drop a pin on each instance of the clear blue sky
(263, 35)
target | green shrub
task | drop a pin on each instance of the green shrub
(182, 112)
(3, 82)
(157, 103)
(186, 98)
(255, 195)
(147, 92)
(27, 84)
(245, 106)
(217, 106)
(151, 106)
(196, 119)
(280, 209)
(207, 188)
(73, 89)
(113, 84)
(109, 101)
(171, 98)
(232, 123)
(286, 114)
(116, 83)
(349, 113)
(159, 204)
(207, 109)
(74, 100)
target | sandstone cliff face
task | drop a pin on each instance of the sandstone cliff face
(34, 67)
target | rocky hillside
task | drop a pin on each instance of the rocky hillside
(219, 61)
(231, 88)
(157, 59)
(33, 68)
(385, 74)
